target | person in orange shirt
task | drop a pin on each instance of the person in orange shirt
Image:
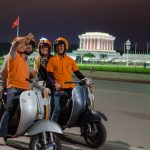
(60, 68)
(18, 72)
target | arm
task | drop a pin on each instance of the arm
(76, 71)
(50, 80)
(17, 45)
(79, 75)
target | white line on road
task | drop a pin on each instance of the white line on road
(75, 147)
(136, 148)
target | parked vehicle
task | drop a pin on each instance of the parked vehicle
(31, 118)
(78, 111)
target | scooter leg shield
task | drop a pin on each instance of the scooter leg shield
(43, 126)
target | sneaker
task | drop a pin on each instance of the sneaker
(2, 142)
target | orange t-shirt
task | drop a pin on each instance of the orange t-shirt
(18, 72)
(62, 68)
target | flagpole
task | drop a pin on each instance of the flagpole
(18, 27)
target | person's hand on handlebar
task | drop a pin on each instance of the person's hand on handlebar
(57, 86)
(87, 81)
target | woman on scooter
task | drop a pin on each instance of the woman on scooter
(60, 68)
(41, 60)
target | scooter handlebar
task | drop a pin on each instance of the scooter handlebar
(35, 84)
(84, 81)
(72, 82)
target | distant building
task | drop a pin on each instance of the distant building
(96, 41)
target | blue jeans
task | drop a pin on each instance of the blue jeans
(56, 99)
(11, 105)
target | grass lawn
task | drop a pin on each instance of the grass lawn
(114, 68)
(105, 67)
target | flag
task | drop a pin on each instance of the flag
(15, 23)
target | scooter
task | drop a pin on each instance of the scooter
(78, 111)
(31, 119)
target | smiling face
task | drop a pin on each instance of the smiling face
(44, 50)
(29, 49)
(60, 48)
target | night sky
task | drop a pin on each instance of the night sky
(53, 18)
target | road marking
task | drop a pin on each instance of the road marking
(136, 148)
(75, 147)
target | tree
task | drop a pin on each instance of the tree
(89, 55)
(4, 48)
(72, 47)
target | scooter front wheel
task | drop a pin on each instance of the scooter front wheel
(36, 143)
(96, 135)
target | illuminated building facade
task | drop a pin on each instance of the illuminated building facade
(96, 41)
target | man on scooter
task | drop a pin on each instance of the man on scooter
(60, 68)
(18, 72)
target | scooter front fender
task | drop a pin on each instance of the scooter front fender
(98, 116)
(44, 126)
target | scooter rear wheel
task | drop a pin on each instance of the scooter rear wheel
(37, 144)
(95, 138)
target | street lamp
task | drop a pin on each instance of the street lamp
(128, 44)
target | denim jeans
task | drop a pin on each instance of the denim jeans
(56, 99)
(11, 105)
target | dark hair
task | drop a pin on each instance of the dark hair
(33, 43)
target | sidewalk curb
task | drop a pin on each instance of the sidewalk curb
(120, 80)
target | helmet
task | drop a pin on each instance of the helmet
(61, 40)
(44, 42)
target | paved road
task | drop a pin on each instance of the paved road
(127, 107)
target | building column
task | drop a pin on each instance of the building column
(101, 44)
(95, 45)
(88, 43)
(113, 45)
(84, 43)
(81, 43)
(104, 44)
(107, 44)
(91, 43)
(98, 43)
(110, 44)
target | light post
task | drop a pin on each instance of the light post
(128, 44)
(135, 47)
(81, 58)
(147, 48)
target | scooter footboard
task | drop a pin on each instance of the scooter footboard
(43, 126)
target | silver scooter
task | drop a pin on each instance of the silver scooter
(31, 118)
(78, 111)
